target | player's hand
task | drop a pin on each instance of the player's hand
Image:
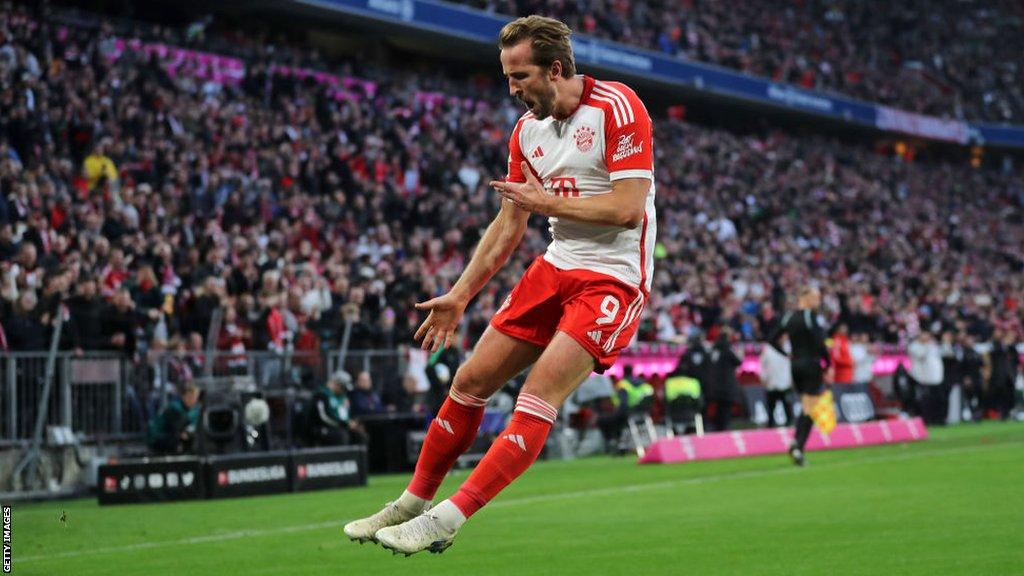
(438, 330)
(529, 195)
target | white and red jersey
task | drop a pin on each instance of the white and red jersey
(608, 138)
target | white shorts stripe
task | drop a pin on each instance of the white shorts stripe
(610, 342)
(632, 313)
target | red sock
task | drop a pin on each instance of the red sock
(510, 455)
(451, 433)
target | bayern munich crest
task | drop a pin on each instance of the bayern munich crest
(584, 138)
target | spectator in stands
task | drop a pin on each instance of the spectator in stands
(173, 429)
(971, 364)
(231, 343)
(210, 196)
(694, 362)
(842, 361)
(25, 330)
(863, 359)
(87, 317)
(777, 380)
(926, 370)
(441, 366)
(412, 400)
(329, 413)
(723, 387)
(365, 401)
(98, 169)
(1004, 359)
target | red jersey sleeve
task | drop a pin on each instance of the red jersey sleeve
(515, 154)
(628, 133)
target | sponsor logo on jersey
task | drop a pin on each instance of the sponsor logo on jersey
(537, 153)
(595, 335)
(584, 138)
(626, 148)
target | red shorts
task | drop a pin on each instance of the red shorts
(598, 311)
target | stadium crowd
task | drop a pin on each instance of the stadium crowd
(963, 61)
(145, 200)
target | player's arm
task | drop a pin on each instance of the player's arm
(493, 251)
(496, 245)
(623, 206)
(499, 240)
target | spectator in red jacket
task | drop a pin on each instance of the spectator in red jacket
(842, 361)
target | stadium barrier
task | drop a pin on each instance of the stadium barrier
(739, 444)
(106, 397)
(249, 474)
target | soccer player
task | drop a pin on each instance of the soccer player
(581, 156)
(809, 357)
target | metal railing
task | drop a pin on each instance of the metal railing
(104, 396)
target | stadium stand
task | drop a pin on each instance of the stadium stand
(181, 179)
(904, 54)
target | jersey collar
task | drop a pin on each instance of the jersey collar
(588, 86)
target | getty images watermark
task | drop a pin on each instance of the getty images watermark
(7, 538)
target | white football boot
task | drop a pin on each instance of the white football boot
(365, 529)
(424, 532)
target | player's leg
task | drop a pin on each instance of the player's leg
(560, 369)
(496, 359)
(804, 424)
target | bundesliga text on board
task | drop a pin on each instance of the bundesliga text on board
(7, 539)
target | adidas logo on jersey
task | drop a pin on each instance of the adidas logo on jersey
(537, 153)
(595, 335)
(516, 439)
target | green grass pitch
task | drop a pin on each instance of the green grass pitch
(953, 504)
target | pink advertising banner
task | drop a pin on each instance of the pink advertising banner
(742, 443)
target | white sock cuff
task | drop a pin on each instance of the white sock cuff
(466, 399)
(531, 404)
(449, 514)
(412, 503)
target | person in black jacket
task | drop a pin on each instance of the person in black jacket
(695, 361)
(723, 386)
(25, 330)
(972, 382)
(808, 361)
(1004, 360)
(86, 327)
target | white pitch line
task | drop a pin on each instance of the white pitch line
(643, 487)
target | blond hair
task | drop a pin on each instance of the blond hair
(549, 39)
